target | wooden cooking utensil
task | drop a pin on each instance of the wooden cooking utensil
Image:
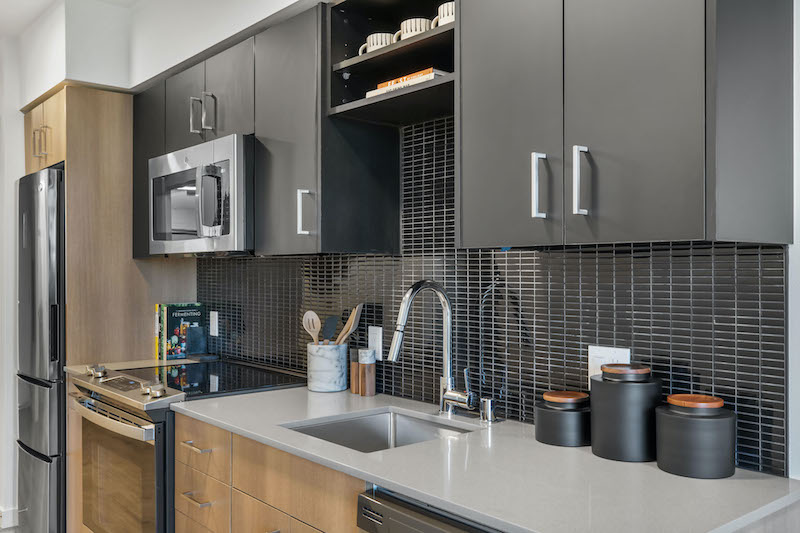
(352, 324)
(312, 325)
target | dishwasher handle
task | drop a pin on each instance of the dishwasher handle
(381, 513)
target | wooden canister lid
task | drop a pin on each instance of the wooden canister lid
(626, 369)
(565, 396)
(695, 401)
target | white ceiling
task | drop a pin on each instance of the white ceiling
(16, 15)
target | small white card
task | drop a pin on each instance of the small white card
(605, 355)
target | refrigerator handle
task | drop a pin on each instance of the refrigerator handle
(54, 333)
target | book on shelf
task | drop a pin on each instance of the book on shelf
(182, 330)
(406, 81)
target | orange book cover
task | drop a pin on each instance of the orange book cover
(402, 79)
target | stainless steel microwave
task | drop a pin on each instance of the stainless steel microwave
(201, 198)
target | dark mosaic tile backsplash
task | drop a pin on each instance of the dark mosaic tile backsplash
(708, 317)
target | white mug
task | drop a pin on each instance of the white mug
(412, 27)
(376, 41)
(447, 14)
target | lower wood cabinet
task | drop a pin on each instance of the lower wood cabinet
(319, 496)
(269, 491)
(202, 498)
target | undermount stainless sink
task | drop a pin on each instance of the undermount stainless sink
(372, 432)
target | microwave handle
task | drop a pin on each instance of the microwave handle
(204, 230)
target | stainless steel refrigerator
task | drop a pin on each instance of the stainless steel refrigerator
(41, 437)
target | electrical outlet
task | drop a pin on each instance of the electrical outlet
(213, 323)
(8, 518)
(604, 355)
(376, 341)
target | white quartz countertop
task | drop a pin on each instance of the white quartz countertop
(500, 476)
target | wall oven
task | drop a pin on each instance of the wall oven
(201, 198)
(127, 481)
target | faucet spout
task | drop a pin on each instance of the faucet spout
(448, 397)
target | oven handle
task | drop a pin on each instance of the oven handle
(115, 420)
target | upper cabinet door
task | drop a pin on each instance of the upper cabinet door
(34, 160)
(512, 123)
(54, 131)
(184, 93)
(229, 97)
(286, 206)
(634, 120)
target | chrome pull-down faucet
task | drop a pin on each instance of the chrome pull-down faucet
(449, 398)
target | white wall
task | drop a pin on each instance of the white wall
(98, 42)
(164, 34)
(12, 167)
(42, 52)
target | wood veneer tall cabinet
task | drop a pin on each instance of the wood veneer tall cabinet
(588, 122)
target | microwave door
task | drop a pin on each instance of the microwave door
(40, 228)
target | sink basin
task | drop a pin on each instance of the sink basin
(372, 432)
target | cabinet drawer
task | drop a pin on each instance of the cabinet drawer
(298, 527)
(314, 494)
(203, 447)
(249, 515)
(202, 498)
(184, 524)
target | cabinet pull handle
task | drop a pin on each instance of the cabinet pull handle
(203, 114)
(200, 505)
(190, 444)
(536, 157)
(192, 100)
(43, 140)
(576, 180)
(33, 143)
(300, 230)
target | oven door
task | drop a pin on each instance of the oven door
(122, 470)
(199, 199)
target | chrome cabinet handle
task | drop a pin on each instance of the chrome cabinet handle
(576, 180)
(536, 157)
(190, 444)
(300, 230)
(203, 113)
(192, 100)
(33, 143)
(189, 497)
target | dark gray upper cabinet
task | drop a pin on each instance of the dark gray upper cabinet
(212, 99)
(677, 121)
(511, 123)
(634, 78)
(321, 184)
(287, 118)
(230, 87)
(148, 142)
(183, 92)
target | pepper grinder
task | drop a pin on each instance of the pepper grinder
(366, 369)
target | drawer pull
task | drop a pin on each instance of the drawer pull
(190, 444)
(200, 505)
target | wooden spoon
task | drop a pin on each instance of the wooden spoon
(312, 325)
(351, 325)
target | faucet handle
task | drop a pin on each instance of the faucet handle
(472, 398)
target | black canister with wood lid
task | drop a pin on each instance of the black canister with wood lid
(563, 419)
(623, 402)
(696, 436)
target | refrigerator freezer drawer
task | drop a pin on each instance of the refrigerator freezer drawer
(38, 492)
(38, 410)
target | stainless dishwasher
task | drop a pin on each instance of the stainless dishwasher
(380, 511)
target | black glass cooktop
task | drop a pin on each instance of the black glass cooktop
(216, 378)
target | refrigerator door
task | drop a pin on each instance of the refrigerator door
(40, 315)
(38, 409)
(38, 492)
